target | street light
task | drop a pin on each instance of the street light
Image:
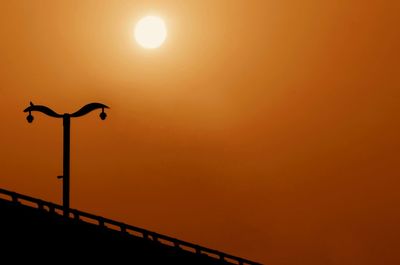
(66, 144)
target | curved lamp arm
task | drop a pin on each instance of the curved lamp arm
(84, 110)
(42, 109)
(90, 107)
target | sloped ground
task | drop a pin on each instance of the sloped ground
(32, 235)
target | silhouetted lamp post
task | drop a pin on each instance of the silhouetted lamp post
(66, 123)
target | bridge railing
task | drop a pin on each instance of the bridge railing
(124, 228)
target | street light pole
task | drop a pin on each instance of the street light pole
(66, 139)
(66, 162)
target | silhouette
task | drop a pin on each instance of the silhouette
(66, 143)
(52, 230)
(33, 230)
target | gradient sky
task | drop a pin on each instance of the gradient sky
(266, 129)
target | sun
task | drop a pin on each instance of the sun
(150, 32)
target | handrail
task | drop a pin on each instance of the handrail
(125, 228)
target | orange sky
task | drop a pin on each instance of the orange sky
(266, 129)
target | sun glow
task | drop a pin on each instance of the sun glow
(150, 32)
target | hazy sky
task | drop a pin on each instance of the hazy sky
(266, 129)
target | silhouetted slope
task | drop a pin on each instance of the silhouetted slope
(40, 233)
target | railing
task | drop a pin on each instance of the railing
(125, 228)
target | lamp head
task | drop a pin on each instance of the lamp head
(103, 115)
(29, 118)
